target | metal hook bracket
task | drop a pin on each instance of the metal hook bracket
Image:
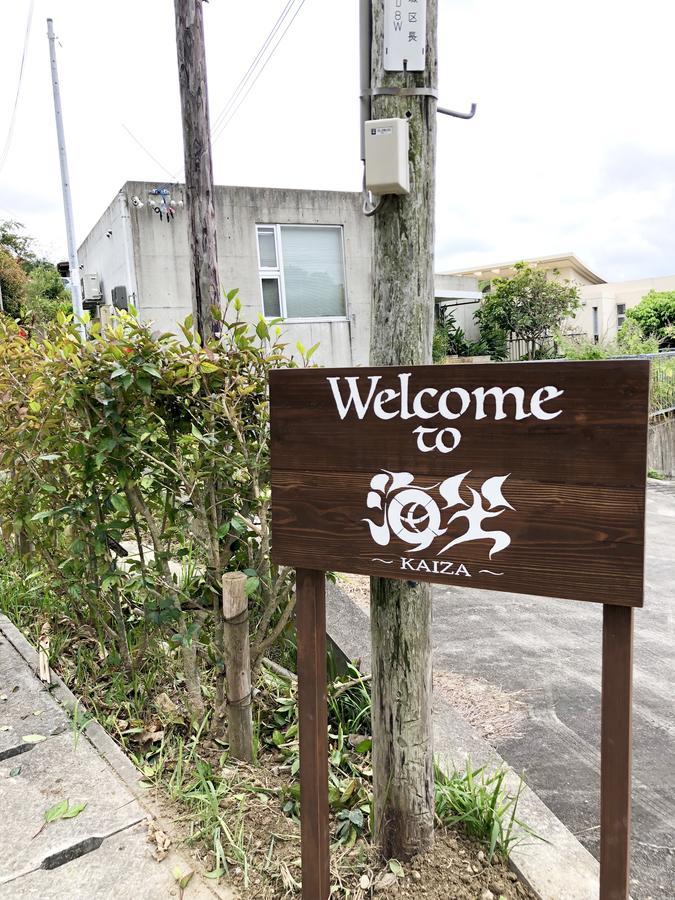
(458, 115)
(418, 92)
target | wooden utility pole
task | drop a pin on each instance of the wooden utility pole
(402, 326)
(198, 166)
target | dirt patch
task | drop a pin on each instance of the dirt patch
(262, 852)
(495, 713)
(357, 588)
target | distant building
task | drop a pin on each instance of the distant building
(303, 255)
(603, 304)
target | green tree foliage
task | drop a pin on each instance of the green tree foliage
(450, 340)
(529, 306)
(163, 443)
(32, 288)
(655, 314)
(631, 341)
(45, 294)
(13, 281)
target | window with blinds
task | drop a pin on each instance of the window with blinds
(302, 271)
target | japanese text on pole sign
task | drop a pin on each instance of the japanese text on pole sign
(405, 29)
(517, 477)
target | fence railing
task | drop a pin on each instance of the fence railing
(517, 348)
(662, 391)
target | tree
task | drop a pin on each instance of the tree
(530, 306)
(655, 314)
(13, 281)
(45, 294)
(403, 310)
(32, 289)
(18, 245)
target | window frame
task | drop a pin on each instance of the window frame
(620, 316)
(270, 272)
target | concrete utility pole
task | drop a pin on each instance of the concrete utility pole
(402, 326)
(75, 290)
(198, 166)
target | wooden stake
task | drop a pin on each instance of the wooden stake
(311, 629)
(237, 666)
(615, 767)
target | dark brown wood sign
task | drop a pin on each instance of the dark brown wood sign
(513, 477)
(525, 477)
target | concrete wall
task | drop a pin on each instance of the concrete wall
(160, 259)
(661, 446)
(453, 292)
(606, 297)
(107, 250)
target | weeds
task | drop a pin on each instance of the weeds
(478, 801)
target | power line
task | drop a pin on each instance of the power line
(257, 75)
(12, 121)
(223, 113)
(153, 158)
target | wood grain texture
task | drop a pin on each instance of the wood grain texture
(576, 482)
(616, 747)
(313, 714)
(199, 193)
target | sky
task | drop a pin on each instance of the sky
(572, 148)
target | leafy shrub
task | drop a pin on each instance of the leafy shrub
(655, 314)
(154, 446)
(450, 340)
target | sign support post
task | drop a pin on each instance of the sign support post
(313, 713)
(615, 752)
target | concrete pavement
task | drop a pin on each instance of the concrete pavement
(550, 652)
(103, 852)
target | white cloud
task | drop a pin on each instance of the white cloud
(570, 149)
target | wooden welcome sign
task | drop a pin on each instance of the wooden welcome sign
(522, 477)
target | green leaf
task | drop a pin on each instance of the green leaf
(74, 810)
(56, 812)
(396, 867)
(262, 330)
(364, 746)
(15, 771)
(39, 517)
(182, 878)
(356, 818)
(252, 583)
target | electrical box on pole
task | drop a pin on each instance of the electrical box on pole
(387, 165)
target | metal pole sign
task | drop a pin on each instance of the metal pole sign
(405, 35)
(516, 477)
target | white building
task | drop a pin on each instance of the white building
(303, 255)
(603, 304)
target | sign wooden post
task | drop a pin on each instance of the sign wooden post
(615, 751)
(512, 477)
(310, 588)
